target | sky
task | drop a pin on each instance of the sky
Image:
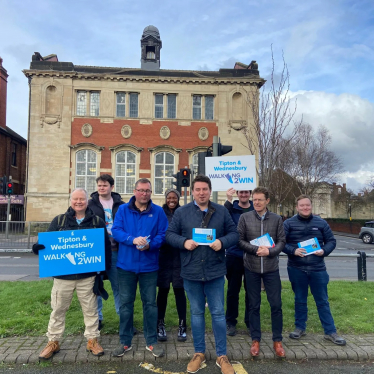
(328, 47)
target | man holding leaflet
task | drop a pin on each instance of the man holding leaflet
(309, 270)
(203, 266)
(261, 261)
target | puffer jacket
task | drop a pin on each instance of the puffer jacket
(299, 229)
(203, 263)
(250, 227)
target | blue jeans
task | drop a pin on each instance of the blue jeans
(213, 291)
(317, 281)
(128, 282)
(113, 278)
(273, 288)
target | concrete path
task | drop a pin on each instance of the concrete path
(23, 350)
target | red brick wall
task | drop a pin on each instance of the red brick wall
(3, 92)
(348, 227)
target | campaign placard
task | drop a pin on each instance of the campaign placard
(71, 252)
(237, 172)
(203, 236)
(310, 245)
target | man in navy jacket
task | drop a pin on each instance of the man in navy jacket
(309, 270)
(139, 228)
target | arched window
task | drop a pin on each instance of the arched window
(195, 163)
(85, 170)
(125, 172)
(164, 169)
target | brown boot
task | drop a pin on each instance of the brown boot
(278, 348)
(224, 363)
(195, 364)
(94, 347)
(50, 349)
(255, 348)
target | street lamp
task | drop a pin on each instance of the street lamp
(350, 211)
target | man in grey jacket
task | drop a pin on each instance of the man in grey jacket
(262, 262)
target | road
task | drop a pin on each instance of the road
(24, 266)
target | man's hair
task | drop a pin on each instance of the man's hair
(202, 178)
(262, 190)
(250, 191)
(79, 189)
(143, 180)
(105, 178)
(303, 197)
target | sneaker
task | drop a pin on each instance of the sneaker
(231, 330)
(94, 347)
(101, 324)
(335, 338)
(50, 349)
(224, 363)
(182, 333)
(161, 333)
(121, 350)
(196, 362)
(297, 334)
(156, 350)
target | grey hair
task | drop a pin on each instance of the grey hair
(79, 189)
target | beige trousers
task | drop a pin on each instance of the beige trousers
(62, 294)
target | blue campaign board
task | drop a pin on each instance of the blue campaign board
(71, 252)
(204, 236)
(310, 245)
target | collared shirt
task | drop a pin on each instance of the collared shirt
(205, 210)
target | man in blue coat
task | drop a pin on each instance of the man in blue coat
(203, 267)
(309, 270)
(139, 228)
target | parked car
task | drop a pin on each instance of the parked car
(367, 232)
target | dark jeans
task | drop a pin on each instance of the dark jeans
(235, 274)
(273, 288)
(180, 301)
(128, 282)
(317, 281)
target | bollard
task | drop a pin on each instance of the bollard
(361, 266)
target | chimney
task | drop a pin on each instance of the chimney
(3, 93)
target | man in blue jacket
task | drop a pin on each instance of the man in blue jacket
(139, 228)
(234, 262)
(203, 267)
(309, 270)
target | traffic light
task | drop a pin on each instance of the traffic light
(201, 161)
(9, 188)
(177, 182)
(223, 149)
(3, 185)
(185, 177)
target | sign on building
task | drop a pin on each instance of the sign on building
(14, 199)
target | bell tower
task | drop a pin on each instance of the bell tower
(151, 45)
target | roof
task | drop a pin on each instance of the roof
(7, 131)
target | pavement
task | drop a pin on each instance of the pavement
(25, 350)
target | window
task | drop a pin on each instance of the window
(125, 172)
(151, 55)
(134, 105)
(93, 106)
(14, 154)
(121, 104)
(195, 163)
(159, 106)
(85, 170)
(196, 107)
(209, 107)
(164, 168)
(172, 106)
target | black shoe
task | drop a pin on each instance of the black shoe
(161, 333)
(335, 338)
(101, 324)
(134, 330)
(182, 331)
(297, 334)
(231, 330)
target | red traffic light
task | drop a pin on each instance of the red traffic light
(10, 185)
(185, 173)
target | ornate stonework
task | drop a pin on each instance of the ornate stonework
(126, 131)
(164, 132)
(203, 133)
(87, 130)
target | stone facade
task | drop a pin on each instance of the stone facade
(83, 108)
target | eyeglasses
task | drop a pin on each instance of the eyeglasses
(144, 191)
(258, 200)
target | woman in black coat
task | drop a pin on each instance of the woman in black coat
(169, 272)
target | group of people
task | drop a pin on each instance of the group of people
(155, 247)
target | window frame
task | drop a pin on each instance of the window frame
(86, 175)
(125, 177)
(206, 108)
(122, 104)
(158, 106)
(168, 106)
(14, 155)
(200, 107)
(132, 94)
(163, 178)
(90, 106)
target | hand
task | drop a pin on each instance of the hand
(140, 240)
(230, 193)
(301, 252)
(320, 252)
(145, 248)
(263, 251)
(216, 245)
(37, 247)
(190, 244)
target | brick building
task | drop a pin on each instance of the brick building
(131, 123)
(12, 146)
